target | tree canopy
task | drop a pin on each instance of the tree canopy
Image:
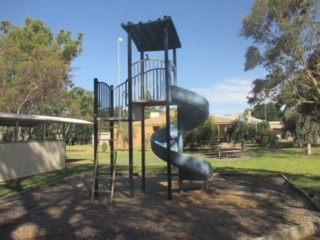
(286, 43)
(267, 112)
(301, 126)
(35, 67)
(241, 132)
(204, 135)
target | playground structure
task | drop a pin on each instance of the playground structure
(150, 82)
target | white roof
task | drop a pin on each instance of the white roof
(9, 119)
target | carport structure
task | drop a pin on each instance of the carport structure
(25, 158)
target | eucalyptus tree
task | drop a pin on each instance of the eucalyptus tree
(35, 67)
(286, 43)
(301, 126)
(79, 105)
(267, 112)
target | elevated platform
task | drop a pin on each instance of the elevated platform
(147, 103)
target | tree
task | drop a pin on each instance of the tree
(204, 135)
(268, 112)
(264, 136)
(301, 126)
(79, 104)
(241, 132)
(35, 67)
(286, 43)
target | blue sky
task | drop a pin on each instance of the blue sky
(211, 59)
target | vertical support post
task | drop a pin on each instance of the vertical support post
(143, 155)
(180, 145)
(111, 142)
(131, 184)
(142, 75)
(95, 130)
(180, 135)
(16, 132)
(168, 98)
(175, 66)
(44, 131)
(143, 149)
(29, 133)
(64, 131)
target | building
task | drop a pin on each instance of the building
(158, 120)
(222, 123)
(152, 124)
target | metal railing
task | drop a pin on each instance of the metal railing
(120, 100)
(111, 101)
(103, 95)
(148, 84)
(149, 80)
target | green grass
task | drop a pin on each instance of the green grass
(84, 154)
(302, 170)
(17, 185)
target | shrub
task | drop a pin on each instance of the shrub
(104, 147)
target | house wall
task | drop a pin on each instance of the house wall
(29, 158)
(277, 128)
(222, 130)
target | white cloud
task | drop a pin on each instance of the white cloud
(230, 91)
(227, 97)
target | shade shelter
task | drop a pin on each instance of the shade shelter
(25, 158)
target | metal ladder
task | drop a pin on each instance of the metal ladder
(106, 171)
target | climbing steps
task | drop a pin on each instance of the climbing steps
(104, 175)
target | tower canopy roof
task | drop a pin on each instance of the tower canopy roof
(149, 36)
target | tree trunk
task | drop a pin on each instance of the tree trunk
(309, 152)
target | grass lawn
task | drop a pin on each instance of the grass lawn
(302, 170)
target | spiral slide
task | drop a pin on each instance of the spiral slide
(193, 110)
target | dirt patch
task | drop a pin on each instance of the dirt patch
(234, 207)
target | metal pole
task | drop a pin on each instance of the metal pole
(95, 130)
(130, 115)
(16, 132)
(44, 131)
(111, 133)
(175, 65)
(143, 149)
(119, 40)
(167, 75)
(64, 131)
(142, 75)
